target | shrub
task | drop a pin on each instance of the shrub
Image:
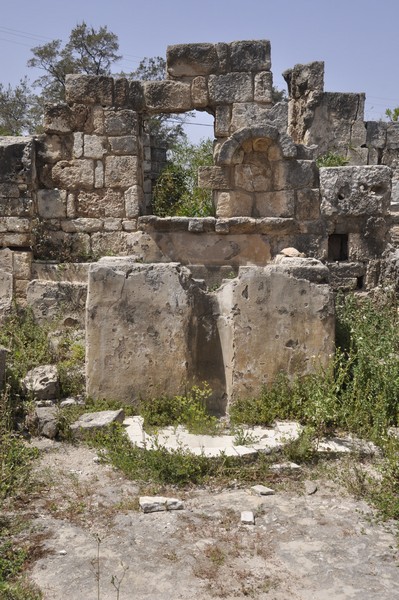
(331, 159)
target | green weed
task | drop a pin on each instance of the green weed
(331, 159)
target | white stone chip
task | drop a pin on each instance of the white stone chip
(149, 504)
(247, 517)
(262, 490)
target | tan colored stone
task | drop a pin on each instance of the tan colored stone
(81, 225)
(14, 225)
(15, 240)
(234, 204)
(57, 300)
(274, 204)
(273, 320)
(134, 201)
(51, 204)
(168, 96)
(22, 265)
(253, 177)
(217, 178)
(112, 224)
(307, 204)
(125, 144)
(137, 314)
(121, 171)
(99, 175)
(121, 122)
(94, 146)
(229, 88)
(199, 92)
(264, 87)
(6, 291)
(75, 174)
(20, 287)
(222, 120)
(89, 89)
(78, 144)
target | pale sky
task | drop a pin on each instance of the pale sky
(357, 39)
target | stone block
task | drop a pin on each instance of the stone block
(99, 174)
(22, 265)
(78, 145)
(97, 420)
(80, 114)
(14, 225)
(121, 122)
(112, 224)
(234, 204)
(355, 191)
(393, 136)
(376, 134)
(89, 89)
(293, 318)
(136, 96)
(17, 240)
(16, 159)
(57, 300)
(94, 146)
(263, 91)
(307, 206)
(75, 174)
(121, 92)
(121, 171)
(145, 312)
(168, 96)
(6, 290)
(150, 504)
(217, 178)
(100, 203)
(222, 120)
(253, 177)
(53, 147)
(81, 225)
(229, 88)
(125, 144)
(252, 55)
(199, 92)
(294, 174)
(57, 118)
(51, 204)
(134, 201)
(191, 60)
(274, 204)
(42, 382)
(304, 79)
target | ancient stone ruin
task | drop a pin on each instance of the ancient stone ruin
(233, 299)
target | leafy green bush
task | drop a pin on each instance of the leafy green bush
(189, 410)
(176, 192)
(331, 159)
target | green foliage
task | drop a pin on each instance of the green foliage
(189, 410)
(17, 109)
(176, 192)
(331, 159)
(393, 114)
(70, 365)
(27, 342)
(87, 51)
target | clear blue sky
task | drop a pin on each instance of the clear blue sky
(357, 39)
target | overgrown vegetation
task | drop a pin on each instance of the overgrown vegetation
(332, 159)
(176, 193)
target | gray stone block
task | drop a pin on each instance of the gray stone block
(229, 88)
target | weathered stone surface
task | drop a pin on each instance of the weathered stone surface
(45, 420)
(145, 312)
(234, 204)
(42, 382)
(229, 88)
(99, 204)
(16, 159)
(75, 174)
(58, 119)
(125, 144)
(222, 120)
(199, 92)
(54, 147)
(89, 89)
(191, 60)
(168, 96)
(376, 134)
(217, 178)
(96, 420)
(248, 114)
(355, 191)
(253, 55)
(134, 201)
(121, 122)
(274, 204)
(94, 146)
(292, 316)
(247, 517)
(263, 88)
(262, 490)
(307, 204)
(121, 171)
(57, 300)
(14, 225)
(51, 204)
(81, 225)
(150, 504)
(6, 291)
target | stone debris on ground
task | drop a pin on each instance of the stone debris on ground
(310, 487)
(42, 382)
(262, 490)
(150, 504)
(247, 517)
(96, 420)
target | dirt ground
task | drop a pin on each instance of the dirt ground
(323, 546)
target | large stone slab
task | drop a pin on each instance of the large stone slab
(279, 318)
(139, 322)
